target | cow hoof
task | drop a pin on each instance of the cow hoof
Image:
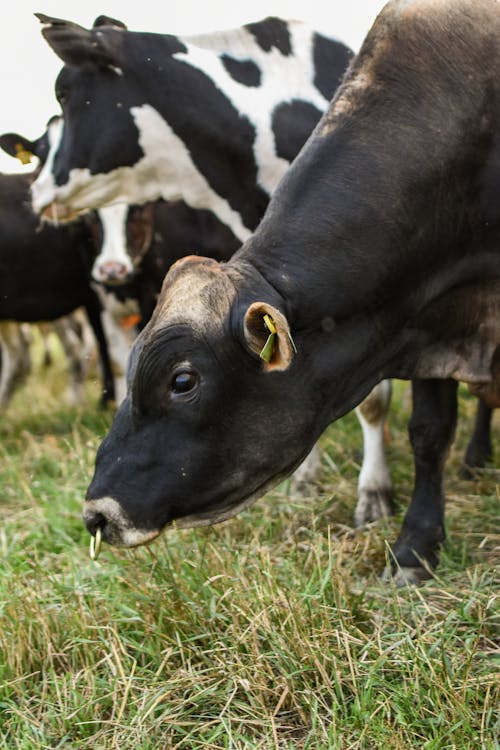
(402, 577)
(373, 505)
(472, 471)
(468, 472)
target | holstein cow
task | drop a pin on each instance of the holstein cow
(213, 119)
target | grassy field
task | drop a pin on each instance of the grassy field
(271, 631)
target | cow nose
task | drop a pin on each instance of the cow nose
(112, 272)
(94, 521)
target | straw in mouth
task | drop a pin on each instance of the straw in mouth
(95, 544)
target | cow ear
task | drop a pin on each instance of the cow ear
(267, 334)
(18, 146)
(76, 45)
(108, 21)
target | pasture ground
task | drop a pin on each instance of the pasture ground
(271, 631)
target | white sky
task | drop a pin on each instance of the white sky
(29, 67)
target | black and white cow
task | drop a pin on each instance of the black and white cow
(138, 244)
(212, 119)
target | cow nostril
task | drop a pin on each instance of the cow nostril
(94, 521)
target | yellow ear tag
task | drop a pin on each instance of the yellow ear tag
(24, 156)
(268, 350)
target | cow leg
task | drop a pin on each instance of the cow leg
(71, 343)
(374, 483)
(16, 360)
(120, 343)
(479, 450)
(93, 310)
(120, 338)
(432, 428)
(45, 329)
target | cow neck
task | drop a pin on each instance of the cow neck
(345, 236)
(383, 198)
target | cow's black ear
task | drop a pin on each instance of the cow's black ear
(76, 45)
(18, 146)
(267, 334)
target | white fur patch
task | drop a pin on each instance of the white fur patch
(284, 78)
(114, 239)
(124, 533)
(44, 188)
(176, 175)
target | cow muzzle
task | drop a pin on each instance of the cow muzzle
(115, 527)
(58, 213)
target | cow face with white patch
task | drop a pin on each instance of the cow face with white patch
(214, 119)
(169, 455)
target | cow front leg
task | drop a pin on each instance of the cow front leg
(374, 483)
(15, 360)
(432, 428)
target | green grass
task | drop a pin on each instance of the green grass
(271, 631)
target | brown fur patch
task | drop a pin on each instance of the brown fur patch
(373, 408)
(196, 292)
(490, 392)
(408, 26)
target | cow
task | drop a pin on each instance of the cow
(244, 364)
(213, 119)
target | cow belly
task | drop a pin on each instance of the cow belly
(489, 392)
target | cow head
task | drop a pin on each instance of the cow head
(124, 234)
(171, 454)
(88, 165)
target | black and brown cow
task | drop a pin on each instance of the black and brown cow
(242, 366)
(377, 257)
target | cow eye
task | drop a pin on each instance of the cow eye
(184, 381)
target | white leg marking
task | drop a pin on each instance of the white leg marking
(374, 484)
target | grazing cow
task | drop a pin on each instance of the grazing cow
(244, 364)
